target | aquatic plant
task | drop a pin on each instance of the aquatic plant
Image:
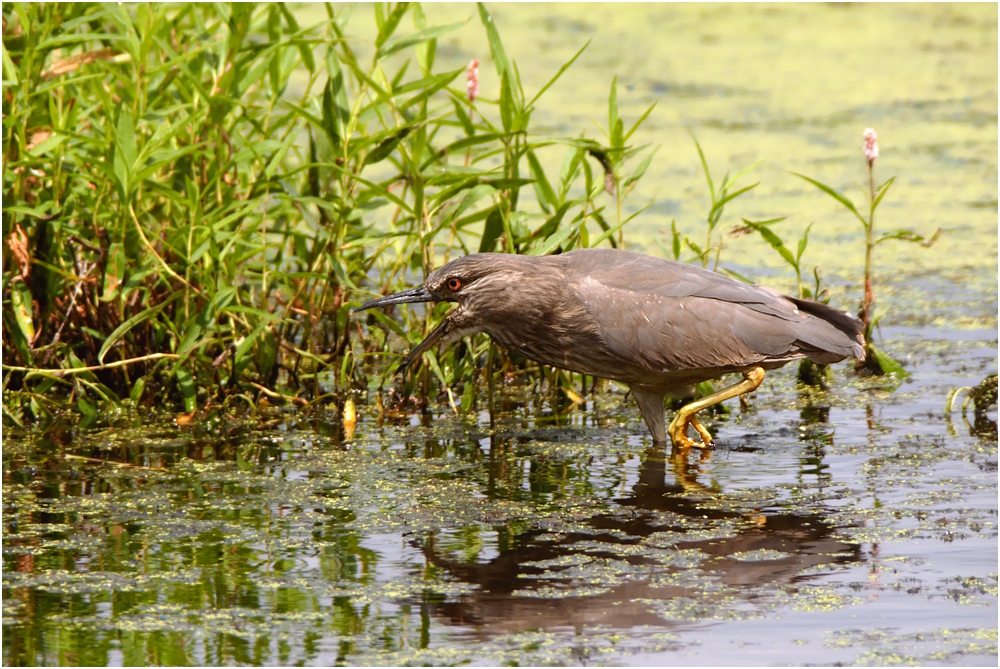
(197, 195)
(877, 361)
(711, 251)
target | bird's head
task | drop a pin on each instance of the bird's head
(483, 284)
(480, 278)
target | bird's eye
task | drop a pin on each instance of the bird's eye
(454, 284)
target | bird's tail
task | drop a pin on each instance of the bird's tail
(843, 321)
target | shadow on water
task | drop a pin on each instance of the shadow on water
(664, 499)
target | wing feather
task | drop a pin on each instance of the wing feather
(664, 316)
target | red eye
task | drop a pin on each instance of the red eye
(454, 284)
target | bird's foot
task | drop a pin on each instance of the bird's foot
(706, 437)
(678, 432)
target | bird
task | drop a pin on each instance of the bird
(656, 325)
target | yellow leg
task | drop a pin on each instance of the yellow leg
(677, 430)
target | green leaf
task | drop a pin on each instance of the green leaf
(278, 156)
(52, 142)
(464, 119)
(141, 317)
(473, 196)
(125, 151)
(474, 217)
(9, 69)
(611, 231)
(65, 40)
(432, 362)
(442, 81)
(778, 246)
(387, 322)
(387, 146)
(835, 195)
(704, 167)
(546, 196)
(188, 391)
(492, 231)
(305, 49)
(388, 27)
(553, 241)
(400, 43)
(570, 170)
(552, 223)
(803, 242)
(115, 272)
(506, 103)
(729, 197)
(496, 44)
(43, 210)
(736, 177)
(138, 388)
(205, 320)
(694, 247)
(20, 298)
(336, 110)
(248, 341)
(882, 190)
(774, 240)
(616, 139)
(641, 169)
(475, 140)
(887, 363)
(877, 316)
(735, 275)
(639, 122)
(676, 236)
(558, 74)
(86, 407)
(378, 188)
(907, 236)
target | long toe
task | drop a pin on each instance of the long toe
(678, 434)
(706, 437)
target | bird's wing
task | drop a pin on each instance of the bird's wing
(667, 316)
(664, 334)
(655, 276)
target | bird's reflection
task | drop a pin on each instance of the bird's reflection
(667, 502)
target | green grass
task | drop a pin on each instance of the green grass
(195, 196)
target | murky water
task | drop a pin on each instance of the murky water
(857, 526)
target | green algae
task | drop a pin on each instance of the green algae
(936, 646)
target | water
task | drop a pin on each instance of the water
(857, 526)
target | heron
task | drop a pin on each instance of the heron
(658, 326)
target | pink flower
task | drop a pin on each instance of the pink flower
(871, 146)
(472, 79)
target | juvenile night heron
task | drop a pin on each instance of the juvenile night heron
(656, 325)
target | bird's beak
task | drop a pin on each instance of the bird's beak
(413, 295)
(434, 337)
(407, 296)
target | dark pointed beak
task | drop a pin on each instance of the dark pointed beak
(414, 295)
(434, 337)
(407, 296)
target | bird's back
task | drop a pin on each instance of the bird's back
(654, 321)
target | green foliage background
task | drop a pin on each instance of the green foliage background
(187, 227)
